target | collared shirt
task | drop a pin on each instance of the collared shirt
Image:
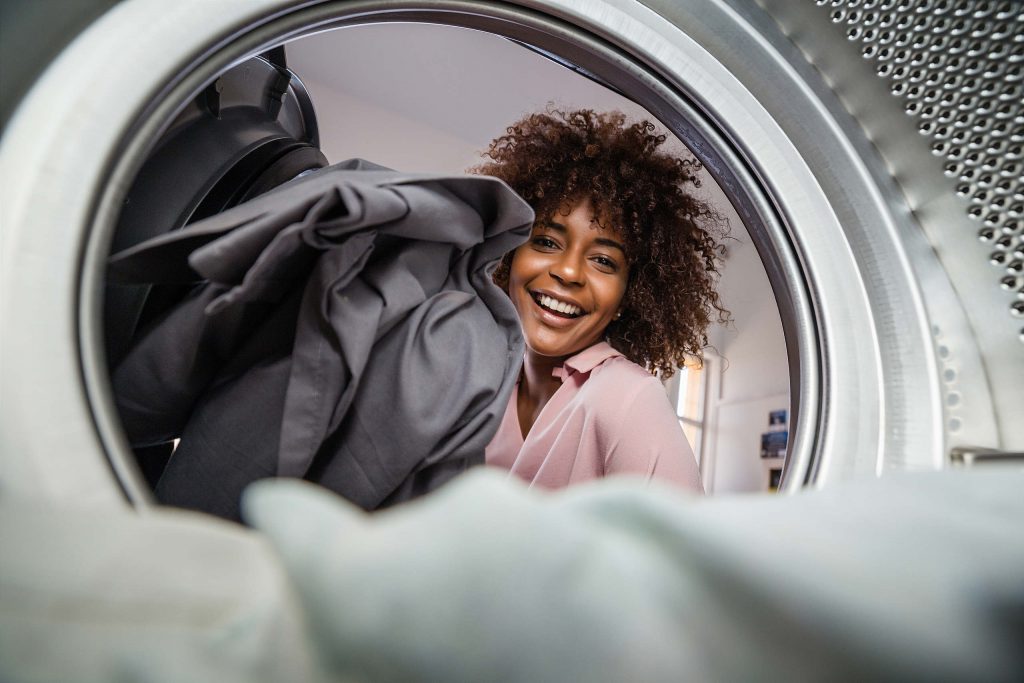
(609, 416)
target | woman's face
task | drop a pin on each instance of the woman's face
(567, 281)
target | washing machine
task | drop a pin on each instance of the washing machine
(873, 150)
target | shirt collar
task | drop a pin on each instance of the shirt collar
(586, 360)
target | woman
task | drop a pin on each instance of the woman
(615, 283)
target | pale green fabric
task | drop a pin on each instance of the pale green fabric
(101, 597)
(912, 577)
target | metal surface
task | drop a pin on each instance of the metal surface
(859, 287)
(958, 70)
(965, 456)
(936, 91)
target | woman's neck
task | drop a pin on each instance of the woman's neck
(537, 374)
(536, 386)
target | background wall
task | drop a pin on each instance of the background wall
(421, 97)
(753, 375)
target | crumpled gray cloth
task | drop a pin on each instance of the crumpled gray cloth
(347, 332)
(915, 577)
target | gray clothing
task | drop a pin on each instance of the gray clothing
(346, 331)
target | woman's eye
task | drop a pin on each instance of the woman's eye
(606, 263)
(545, 242)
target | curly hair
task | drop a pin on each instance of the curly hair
(556, 158)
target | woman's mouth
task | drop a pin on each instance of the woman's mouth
(552, 305)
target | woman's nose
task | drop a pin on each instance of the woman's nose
(567, 269)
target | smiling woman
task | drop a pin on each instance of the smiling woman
(617, 279)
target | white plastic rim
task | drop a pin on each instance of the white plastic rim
(856, 325)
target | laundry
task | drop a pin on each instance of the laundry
(342, 328)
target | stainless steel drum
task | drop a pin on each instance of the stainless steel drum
(873, 149)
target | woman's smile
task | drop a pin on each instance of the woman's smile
(568, 281)
(557, 306)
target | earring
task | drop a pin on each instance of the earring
(617, 315)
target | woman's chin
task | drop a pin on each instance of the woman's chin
(547, 348)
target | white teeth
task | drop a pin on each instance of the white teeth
(560, 306)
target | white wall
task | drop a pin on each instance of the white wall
(754, 346)
(421, 97)
(754, 376)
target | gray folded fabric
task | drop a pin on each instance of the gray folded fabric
(346, 331)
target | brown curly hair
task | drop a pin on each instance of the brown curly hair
(556, 158)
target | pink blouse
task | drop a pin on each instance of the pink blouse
(609, 416)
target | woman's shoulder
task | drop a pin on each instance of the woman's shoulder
(620, 367)
(623, 378)
(634, 418)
